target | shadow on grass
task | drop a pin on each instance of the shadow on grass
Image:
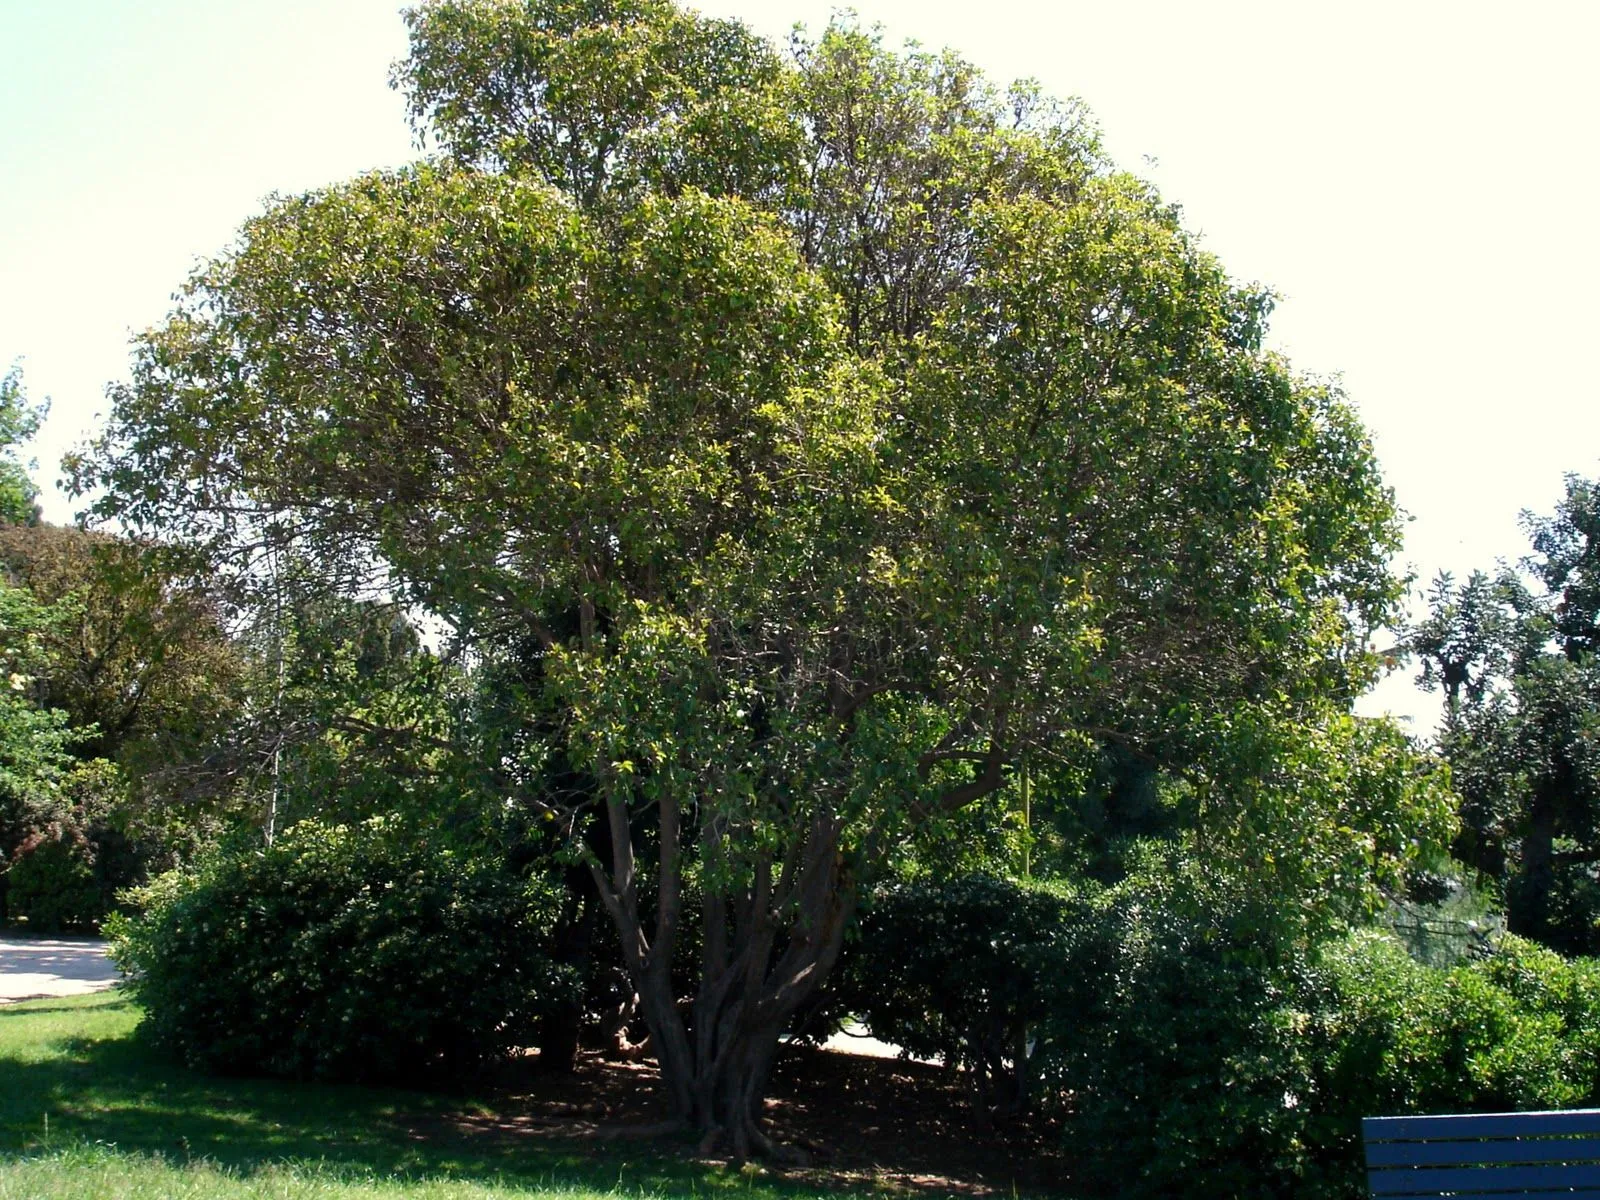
(10, 1008)
(114, 1089)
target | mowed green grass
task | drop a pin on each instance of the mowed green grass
(100, 1173)
(87, 1111)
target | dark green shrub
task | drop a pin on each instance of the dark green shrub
(1189, 1073)
(1161, 1020)
(346, 952)
(52, 881)
(1222, 1061)
(964, 970)
(67, 878)
(1192, 1042)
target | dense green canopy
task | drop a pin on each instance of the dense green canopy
(833, 429)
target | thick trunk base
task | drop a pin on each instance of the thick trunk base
(558, 1040)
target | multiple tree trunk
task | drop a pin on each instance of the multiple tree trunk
(766, 948)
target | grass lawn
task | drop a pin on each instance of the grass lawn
(87, 1112)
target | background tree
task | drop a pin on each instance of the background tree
(42, 779)
(1522, 722)
(36, 760)
(19, 421)
(827, 432)
(138, 654)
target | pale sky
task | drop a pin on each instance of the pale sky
(1416, 179)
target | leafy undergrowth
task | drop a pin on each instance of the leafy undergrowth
(86, 1110)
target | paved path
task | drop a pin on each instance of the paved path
(38, 967)
(853, 1039)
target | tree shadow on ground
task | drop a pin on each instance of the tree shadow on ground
(516, 1127)
(118, 1091)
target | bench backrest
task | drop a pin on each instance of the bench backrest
(1515, 1156)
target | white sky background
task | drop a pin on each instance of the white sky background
(1417, 179)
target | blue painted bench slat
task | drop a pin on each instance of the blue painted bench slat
(1454, 1154)
(1514, 1156)
(1437, 1181)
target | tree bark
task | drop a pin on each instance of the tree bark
(767, 950)
(1528, 910)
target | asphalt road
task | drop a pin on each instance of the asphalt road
(37, 967)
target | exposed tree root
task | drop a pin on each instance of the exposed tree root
(708, 1144)
(746, 1141)
(779, 1152)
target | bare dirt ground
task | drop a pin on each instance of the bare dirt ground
(36, 967)
(907, 1126)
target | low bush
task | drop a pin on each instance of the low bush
(342, 952)
(964, 970)
(1187, 1068)
(1193, 1043)
(1505, 1031)
(1223, 1062)
(1542, 981)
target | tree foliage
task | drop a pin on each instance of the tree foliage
(1518, 668)
(134, 652)
(19, 421)
(36, 744)
(47, 788)
(826, 431)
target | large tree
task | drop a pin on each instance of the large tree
(826, 431)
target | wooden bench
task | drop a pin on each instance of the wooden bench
(1513, 1156)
